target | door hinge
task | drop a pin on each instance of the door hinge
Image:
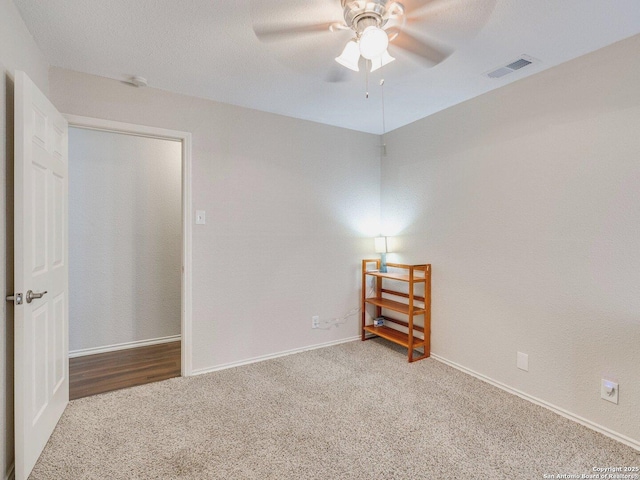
(16, 297)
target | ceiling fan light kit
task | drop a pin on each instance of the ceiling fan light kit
(367, 19)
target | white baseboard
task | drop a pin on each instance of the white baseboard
(560, 411)
(11, 473)
(123, 346)
(262, 358)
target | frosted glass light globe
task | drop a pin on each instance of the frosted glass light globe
(373, 42)
(350, 56)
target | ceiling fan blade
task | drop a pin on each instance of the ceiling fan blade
(270, 33)
(420, 9)
(431, 54)
(411, 6)
(453, 21)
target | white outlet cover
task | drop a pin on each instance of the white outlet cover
(523, 361)
(607, 386)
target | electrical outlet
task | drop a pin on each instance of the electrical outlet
(523, 361)
(609, 391)
(315, 321)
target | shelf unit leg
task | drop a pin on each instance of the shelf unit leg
(363, 312)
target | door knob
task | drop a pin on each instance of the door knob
(31, 296)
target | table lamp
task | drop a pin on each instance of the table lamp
(382, 249)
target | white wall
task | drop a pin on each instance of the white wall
(525, 200)
(291, 207)
(125, 243)
(18, 51)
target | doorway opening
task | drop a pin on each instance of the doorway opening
(129, 255)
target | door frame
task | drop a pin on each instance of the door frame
(89, 123)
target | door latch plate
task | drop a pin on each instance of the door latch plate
(16, 298)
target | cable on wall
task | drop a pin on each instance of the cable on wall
(327, 324)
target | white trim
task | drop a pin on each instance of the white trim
(560, 411)
(91, 123)
(11, 473)
(187, 269)
(262, 358)
(185, 138)
(123, 346)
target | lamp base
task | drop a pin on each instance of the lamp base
(383, 263)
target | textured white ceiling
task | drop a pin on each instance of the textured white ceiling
(208, 48)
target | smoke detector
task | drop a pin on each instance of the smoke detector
(137, 81)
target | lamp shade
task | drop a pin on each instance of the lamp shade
(381, 61)
(350, 56)
(373, 42)
(381, 244)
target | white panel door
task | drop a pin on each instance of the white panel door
(41, 247)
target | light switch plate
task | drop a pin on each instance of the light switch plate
(200, 217)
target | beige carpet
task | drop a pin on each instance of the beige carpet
(354, 411)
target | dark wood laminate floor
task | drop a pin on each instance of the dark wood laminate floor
(105, 372)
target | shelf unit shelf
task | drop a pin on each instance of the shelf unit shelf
(394, 336)
(395, 276)
(403, 302)
(393, 305)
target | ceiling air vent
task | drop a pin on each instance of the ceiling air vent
(518, 64)
(500, 72)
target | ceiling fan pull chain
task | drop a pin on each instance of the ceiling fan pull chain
(384, 126)
(366, 79)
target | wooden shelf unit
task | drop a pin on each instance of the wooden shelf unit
(403, 303)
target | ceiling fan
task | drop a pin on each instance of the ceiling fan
(366, 30)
